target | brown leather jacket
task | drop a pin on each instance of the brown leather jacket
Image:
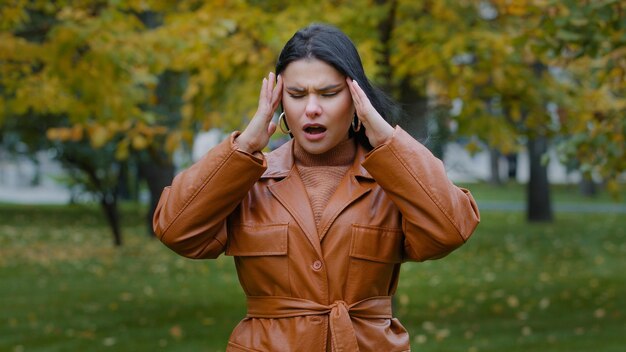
(310, 291)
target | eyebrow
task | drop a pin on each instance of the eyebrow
(323, 89)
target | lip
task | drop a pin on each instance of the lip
(314, 136)
(307, 125)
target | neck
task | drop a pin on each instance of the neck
(341, 154)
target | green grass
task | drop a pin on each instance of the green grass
(512, 287)
(561, 193)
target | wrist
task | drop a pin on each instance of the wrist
(242, 143)
(383, 135)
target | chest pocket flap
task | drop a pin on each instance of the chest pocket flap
(257, 240)
(377, 244)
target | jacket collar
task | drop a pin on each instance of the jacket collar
(280, 162)
(289, 190)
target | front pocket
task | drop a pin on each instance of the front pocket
(258, 240)
(378, 244)
(375, 257)
(260, 252)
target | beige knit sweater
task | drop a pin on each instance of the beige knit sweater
(321, 173)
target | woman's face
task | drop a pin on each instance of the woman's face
(317, 103)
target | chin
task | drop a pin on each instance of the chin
(314, 148)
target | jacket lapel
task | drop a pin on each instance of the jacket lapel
(290, 192)
(348, 191)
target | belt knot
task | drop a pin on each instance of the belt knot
(339, 307)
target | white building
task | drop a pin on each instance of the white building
(17, 174)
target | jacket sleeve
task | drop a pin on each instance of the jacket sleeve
(190, 217)
(437, 216)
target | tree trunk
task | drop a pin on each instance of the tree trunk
(106, 187)
(512, 166)
(539, 205)
(109, 206)
(588, 188)
(36, 180)
(158, 176)
(415, 109)
(158, 169)
(124, 191)
(494, 162)
(385, 31)
(438, 130)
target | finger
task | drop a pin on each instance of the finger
(270, 87)
(271, 128)
(262, 95)
(354, 93)
(361, 96)
(277, 94)
(364, 102)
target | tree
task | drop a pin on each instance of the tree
(81, 71)
(588, 39)
(136, 80)
(476, 55)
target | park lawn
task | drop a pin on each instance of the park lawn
(513, 287)
(560, 193)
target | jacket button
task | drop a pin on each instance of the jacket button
(317, 265)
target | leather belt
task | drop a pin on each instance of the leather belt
(342, 332)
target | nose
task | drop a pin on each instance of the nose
(313, 107)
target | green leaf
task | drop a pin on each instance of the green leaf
(568, 36)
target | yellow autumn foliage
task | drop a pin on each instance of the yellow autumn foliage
(103, 67)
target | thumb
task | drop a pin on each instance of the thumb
(271, 128)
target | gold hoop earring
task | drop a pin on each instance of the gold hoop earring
(358, 124)
(280, 124)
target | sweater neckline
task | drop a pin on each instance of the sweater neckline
(340, 155)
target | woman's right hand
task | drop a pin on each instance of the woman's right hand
(258, 132)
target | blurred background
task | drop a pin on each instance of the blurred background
(103, 102)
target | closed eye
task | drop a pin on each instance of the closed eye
(329, 94)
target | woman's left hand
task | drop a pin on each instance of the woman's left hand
(377, 130)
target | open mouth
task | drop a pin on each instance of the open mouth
(314, 129)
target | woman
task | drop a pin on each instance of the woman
(319, 227)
